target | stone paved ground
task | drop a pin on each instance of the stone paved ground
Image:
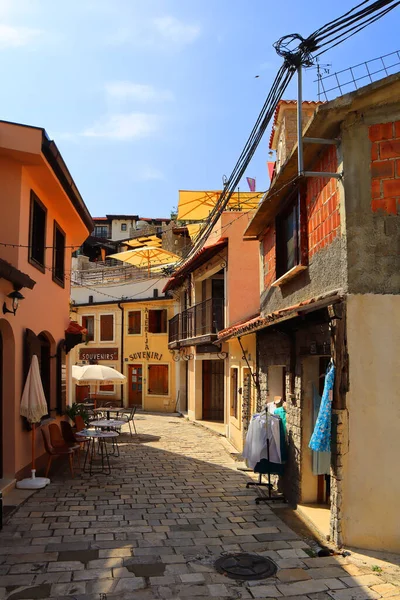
(173, 504)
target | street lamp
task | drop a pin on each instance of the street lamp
(15, 297)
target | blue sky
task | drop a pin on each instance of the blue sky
(146, 97)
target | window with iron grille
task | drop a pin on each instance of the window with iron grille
(134, 322)
(58, 255)
(234, 392)
(158, 321)
(37, 233)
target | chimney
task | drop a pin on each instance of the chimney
(284, 129)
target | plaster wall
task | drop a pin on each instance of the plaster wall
(373, 237)
(136, 290)
(371, 517)
(45, 308)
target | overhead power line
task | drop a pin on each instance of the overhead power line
(296, 52)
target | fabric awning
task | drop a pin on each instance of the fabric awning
(197, 205)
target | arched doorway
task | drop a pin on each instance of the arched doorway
(8, 406)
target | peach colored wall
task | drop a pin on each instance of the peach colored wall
(46, 307)
(243, 272)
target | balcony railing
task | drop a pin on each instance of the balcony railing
(203, 319)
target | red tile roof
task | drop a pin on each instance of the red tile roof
(193, 263)
(278, 107)
(259, 322)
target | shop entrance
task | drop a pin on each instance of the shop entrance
(315, 471)
(135, 382)
(213, 390)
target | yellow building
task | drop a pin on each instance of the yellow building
(132, 337)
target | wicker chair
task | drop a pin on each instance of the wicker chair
(58, 450)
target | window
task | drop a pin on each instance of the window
(123, 226)
(234, 393)
(107, 388)
(101, 231)
(106, 328)
(287, 240)
(158, 380)
(58, 254)
(37, 233)
(88, 323)
(134, 322)
(158, 321)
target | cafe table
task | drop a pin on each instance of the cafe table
(108, 410)
(110, 425)
(101, 456)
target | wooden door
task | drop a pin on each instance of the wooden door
(213, 390)
(135, 381)
(82, 392)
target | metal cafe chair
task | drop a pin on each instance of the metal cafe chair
(128, 417)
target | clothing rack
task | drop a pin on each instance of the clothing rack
(269, 485)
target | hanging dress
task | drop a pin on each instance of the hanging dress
(321, 438)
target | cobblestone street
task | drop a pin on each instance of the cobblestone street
(153, 529)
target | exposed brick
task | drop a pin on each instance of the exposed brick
(397, 129)
(390, 149)
(391, 187)
(376, 188)
(391, 206)
(382, 168)
(374, 151)
(398, 168)
(380, 131)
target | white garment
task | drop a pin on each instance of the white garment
(271, 407)
(262, 427)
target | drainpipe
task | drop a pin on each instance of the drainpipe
(122, 349)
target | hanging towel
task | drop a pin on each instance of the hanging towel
(321, 438)
(321, 461)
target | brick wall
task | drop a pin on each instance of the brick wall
(322, 201)
(385, 167)
(269, 257)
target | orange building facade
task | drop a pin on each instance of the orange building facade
(43, 219)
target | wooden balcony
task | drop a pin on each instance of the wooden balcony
(198, 324)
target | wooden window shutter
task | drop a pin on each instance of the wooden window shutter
(106, 328)
(163, 321)
(158, 380)
(134, 322)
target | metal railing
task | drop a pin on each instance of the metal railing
(104, 275)
(357, 76)
(205, 318)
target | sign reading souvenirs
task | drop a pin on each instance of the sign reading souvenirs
(98, 354)
(145, 355)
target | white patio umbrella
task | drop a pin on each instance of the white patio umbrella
(33, 408)
(92, 374)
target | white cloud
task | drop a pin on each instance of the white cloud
(123, 127)
(175, 31)
(148, 173)
(14, 37)
(127, 90)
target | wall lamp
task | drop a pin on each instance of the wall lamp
(15, 297)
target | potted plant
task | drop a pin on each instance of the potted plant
(78, 409)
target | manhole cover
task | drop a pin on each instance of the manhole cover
(245, 566)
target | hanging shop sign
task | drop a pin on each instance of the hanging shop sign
(98, 354)
(145, 355)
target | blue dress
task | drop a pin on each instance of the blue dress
(321, 438)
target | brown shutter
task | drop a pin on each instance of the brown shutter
(32, 346)
(134, 321)
(163, 321)
(158, 379)
(106, 328)
(153, 321)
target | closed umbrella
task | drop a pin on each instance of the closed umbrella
(146, 257)
(33, 408)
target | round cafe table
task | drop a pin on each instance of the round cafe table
(110, 425)
(102, 456)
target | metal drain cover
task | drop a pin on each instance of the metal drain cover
(245, 566)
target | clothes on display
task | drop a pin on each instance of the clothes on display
(321, 461)
(321, 438)
(263, 427)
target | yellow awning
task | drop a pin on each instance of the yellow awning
(148, 240)
(197, 205)
(146, 257)
(193, 230)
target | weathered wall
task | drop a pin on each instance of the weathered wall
(371, 152)
(372, 485)
(325, 240)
